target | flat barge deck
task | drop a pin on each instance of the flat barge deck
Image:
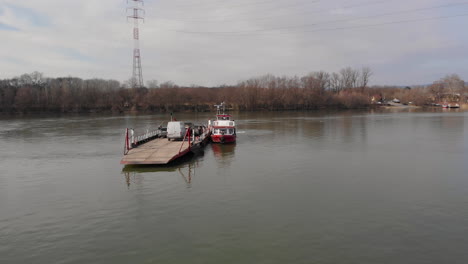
(149, 149)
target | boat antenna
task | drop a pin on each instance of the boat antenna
(218, 108)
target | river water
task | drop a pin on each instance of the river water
(298, 187)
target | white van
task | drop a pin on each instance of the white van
(176, 129)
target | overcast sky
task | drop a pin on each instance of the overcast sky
(214, 42)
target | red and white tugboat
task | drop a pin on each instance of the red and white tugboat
(223, 129)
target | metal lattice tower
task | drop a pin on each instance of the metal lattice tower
(137, 14)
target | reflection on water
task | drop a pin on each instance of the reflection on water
(135, 174)
(185, 167)
(190, 172)
(223, 152)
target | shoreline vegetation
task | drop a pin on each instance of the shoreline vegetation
(346, 89)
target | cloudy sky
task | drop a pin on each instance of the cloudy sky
(214, 42)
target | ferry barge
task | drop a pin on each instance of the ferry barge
(161, 147)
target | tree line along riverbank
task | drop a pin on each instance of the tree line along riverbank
(346, 89)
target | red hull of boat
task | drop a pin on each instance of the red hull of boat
(223, 139)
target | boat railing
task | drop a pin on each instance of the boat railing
(224, 123)
(188, 135)
(203, 134)
(133, 141)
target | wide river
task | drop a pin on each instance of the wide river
(298, 187)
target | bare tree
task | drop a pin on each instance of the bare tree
(335, 82)
(364, 78)
(348, 77)
(453, 83)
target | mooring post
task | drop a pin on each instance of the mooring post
(189, 137)
(126, 142)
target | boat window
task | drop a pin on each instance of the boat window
(231, 131)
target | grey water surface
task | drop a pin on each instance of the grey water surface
(297, 187)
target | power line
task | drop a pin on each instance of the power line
(328, 29)
(390, 23)
(394, 13)
(229, 6)
(267, 2)
(327, 22)
(283, 7)
(363, 4)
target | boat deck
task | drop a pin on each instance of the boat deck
(157, 151)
